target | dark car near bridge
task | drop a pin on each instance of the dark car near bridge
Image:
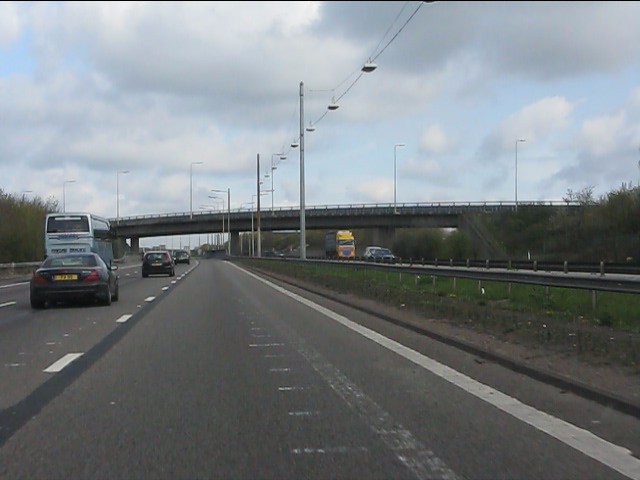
(158, 262)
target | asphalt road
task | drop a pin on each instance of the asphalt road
(217, 373)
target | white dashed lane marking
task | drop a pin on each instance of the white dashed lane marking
(123, 318)
(62, 363)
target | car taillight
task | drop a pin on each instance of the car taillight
(92, 277)
(39, 279)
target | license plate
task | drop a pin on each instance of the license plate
(156, 264)
(65, 277)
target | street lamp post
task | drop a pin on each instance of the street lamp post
(516, 179)
(228, 190)
(259, 251)
(64, 199)
(191, 187)
(118, 193)
(274, 167)
(303, 226)
(395, 150)
(215, 197)
(252, 203)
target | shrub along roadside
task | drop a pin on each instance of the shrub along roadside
(559, 319)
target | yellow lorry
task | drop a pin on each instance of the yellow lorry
(340, 244)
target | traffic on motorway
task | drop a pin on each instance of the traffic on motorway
(259, 379)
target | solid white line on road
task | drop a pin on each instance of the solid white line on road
(7, 304)
(614, 456)
(253, 345)
(164, 289)
(149, 299)
(62, 363)
(123, 318)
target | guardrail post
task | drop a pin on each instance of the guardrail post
(594, 300)
(566, 267)
(468, 263)
(509, 264)
(423, 261)
(535, 265)
(436, 262)
(451, 262)
(602, 268)
(487, 264)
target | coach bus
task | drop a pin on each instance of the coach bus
(78, 232)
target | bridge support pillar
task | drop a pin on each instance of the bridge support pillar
(135, 245)
(235, 243)
(119, 248)
(383, 237)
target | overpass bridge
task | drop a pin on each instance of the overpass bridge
(383, 219)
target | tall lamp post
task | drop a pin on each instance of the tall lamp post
(274, 167)
(215, 197)
(303, 226)
(64, 197)
(118, 193)
(252, 203)
(366, 68)
(191, 187)
(228, 191)
(395, 150)
(516, 179)
(259, 251)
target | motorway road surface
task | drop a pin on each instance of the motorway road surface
(217, 373)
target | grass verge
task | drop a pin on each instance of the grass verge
(603, 327)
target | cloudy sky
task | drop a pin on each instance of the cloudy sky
(90, 89)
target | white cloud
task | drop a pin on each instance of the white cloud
(152, 86)
(434, 140)
(10, 25)
(601, 135)
(376, 190)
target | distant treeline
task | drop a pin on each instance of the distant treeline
(602, 229)
(22, 227)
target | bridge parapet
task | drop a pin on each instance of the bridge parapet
(402, 215)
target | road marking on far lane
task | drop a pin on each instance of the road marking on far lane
(7, 304)
(57, 366)
(123, 318)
